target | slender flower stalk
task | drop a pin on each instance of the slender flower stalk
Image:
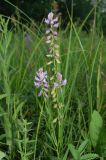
(55, 79)
(53, 56)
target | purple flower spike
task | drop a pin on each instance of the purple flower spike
(41, 82)
(52, 22)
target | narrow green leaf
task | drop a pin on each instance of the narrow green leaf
(66, 154)
(18, 109)
(75, 153)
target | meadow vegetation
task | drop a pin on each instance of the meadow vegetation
(31, 127)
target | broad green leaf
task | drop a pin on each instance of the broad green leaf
(2, 155)
(2, 96)
(2, 136)
(101, 146)
(95, 127)
(83, 146)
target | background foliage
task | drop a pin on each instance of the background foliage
(39, 8)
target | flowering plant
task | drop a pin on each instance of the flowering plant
(41, 82)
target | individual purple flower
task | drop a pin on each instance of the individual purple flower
(64, 82)
(41, 82)
(59, 77)
(51, 20)
(56, 84)
(60, 82)
(50, 16)
(55, 33)
(56, 25)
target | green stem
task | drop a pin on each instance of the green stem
(37, 132)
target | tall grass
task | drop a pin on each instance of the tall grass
(28, 124)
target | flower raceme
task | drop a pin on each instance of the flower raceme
(41, 82)
(52, 23)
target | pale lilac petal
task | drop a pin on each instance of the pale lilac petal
(46, 85)
(59, 76)
(56, 19)
(55, 33)
(52, 22)
(37, 84)
(64, 82)
(56, 25)
(47, 21)
(36, 78)
(44, 80)
(50, 16)
(56, 84)
(41, 76)
(40, 93)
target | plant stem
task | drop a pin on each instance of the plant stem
(37, 132)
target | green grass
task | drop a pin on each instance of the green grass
(27, 130)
